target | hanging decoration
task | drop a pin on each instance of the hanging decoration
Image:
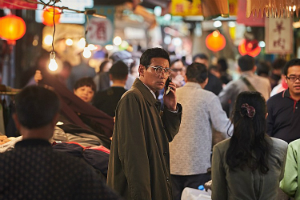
(249, 47)
(273, 9)
(215, 41)
(12, 28)
(48, 18)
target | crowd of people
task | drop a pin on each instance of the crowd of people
(160, 135)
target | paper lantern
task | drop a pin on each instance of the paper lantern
(48, 16)
(249, 47)
(12, 28)
(215, 41)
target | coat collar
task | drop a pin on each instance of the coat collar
(138, 84)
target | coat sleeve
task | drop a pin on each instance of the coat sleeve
(219, 185)
(132, 148)
(289, 183)
(219, 119)
(172, 121)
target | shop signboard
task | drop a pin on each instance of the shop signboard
(279, 35)
(194, 8)
(101, 30)
(186, 8)
(17, 4)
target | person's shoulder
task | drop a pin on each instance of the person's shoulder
(280, 144)
(295, 144)
(275, 98)
(223, 144)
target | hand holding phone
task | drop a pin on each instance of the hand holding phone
(167, 88)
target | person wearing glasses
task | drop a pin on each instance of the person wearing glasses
(283, 108)
(177, 73)
(139, 157)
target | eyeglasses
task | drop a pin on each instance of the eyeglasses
(160, 69)
(293, 78)
(177, 70)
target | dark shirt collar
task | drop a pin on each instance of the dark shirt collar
(32, 142)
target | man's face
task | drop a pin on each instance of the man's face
(177, 68)
(202, 61)
(294, 85)
(150, 78)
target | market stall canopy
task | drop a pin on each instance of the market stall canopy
(271, 8)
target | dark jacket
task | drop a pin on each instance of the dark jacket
(34, 171)
(283, 117)
(139, 159)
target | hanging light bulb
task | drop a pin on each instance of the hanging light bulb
(52, 65)
(87, 52)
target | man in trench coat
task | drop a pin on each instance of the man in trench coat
(139, 166)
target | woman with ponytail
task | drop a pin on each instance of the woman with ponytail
(250, 164)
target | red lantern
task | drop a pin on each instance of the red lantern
(215, 41)
(48, 16)
(249, 47)
(12, 28)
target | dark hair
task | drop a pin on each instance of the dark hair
(86, 81)
(36, 106)
(278, 63)
(293, 62)
(223, 64)
(103, 65)
(119, 70)
(196, 72)
(263, 68)
(246, 63)
(248, 145)
(153, 53)
(201, 56)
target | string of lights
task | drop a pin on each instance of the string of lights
(62, 8)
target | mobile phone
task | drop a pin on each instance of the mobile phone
(167, 88)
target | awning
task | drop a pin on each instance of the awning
(273, 8)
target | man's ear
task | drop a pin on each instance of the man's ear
(254, 69)
(141, 70)
(16, 120)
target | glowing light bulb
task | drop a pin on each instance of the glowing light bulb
(117, 41)
(48, 40)
(52, 65)
(69, 42)
(81, 43)
(92, 47)
(87, 52)
(109, 47)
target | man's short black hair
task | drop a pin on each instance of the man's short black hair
(196, 72)
(201, 56)
(263, 68)
(279, 63)
(36, 106)
(293, 62)
(153, 53)
(119, 70)
(86, 81)
(246, 63)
